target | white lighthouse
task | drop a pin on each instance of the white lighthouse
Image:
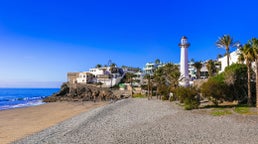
(184, 77)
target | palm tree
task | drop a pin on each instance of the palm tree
(226, 42)
(254, 44)
(247, 52)
(129, 78)
(198, 66)
(148, 77)
(98, 66)
(157, 61)
(159, 80)
(210, 65)
(166, 78)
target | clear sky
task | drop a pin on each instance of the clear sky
(42, 40)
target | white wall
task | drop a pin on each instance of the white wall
(232, 59)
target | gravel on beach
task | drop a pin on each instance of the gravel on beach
(148, 121)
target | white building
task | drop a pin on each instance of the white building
(150, 68)
(233, 58)
(106, 75)
(99, 71)
(85, 77)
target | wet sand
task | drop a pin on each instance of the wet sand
(21, 122)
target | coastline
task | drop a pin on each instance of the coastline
(21, 122)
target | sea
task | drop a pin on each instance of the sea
(11, 98)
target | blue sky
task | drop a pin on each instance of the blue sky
(40, 41)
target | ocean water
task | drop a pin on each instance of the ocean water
(23, 97)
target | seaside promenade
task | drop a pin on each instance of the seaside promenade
(153, 121)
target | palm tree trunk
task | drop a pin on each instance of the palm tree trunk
(198, 73)
(157, 92)
(148, 88)
(256, 63)
(151, 90)
(227, 57)
(131, 83)
(249, 83)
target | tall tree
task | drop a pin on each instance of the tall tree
(129, 79)
(254, 45)
(226, 42)
(166, 78)
(159, 80)
(210, 65)
(198, 66)
(247, 52)
(148, 77)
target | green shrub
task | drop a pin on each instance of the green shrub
(189, 96)
(215, 89)
(228, 86)
(235, 76)
(138, 95)
(164, 98)
(191, 103)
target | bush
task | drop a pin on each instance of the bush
(235, 76)
(138, 95)
(228, 86)
(215, 89)
(189, 96)
(191, 103)
(164, 98)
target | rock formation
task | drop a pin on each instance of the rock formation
(82, 92)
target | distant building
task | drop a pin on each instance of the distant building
(85, 77)
(72, 77)
(107, 76)
(150, 67)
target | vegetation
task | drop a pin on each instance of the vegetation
(220, 112)
(138, 96)
(242, 110)
(211, 68)
(198, 66)
(254, 44)
(149, 85)
(98, 66)
(189, 96)
(166, 79)
(215, 89)
(247, 53)
(235, 76)
(226, 41)
(228, 86)
(157, 61)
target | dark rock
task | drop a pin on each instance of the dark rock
(82, 92)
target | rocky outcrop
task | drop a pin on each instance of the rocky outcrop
(82, 92)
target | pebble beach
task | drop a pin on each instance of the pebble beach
(148, 121)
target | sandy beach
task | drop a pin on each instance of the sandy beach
(18, 123)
